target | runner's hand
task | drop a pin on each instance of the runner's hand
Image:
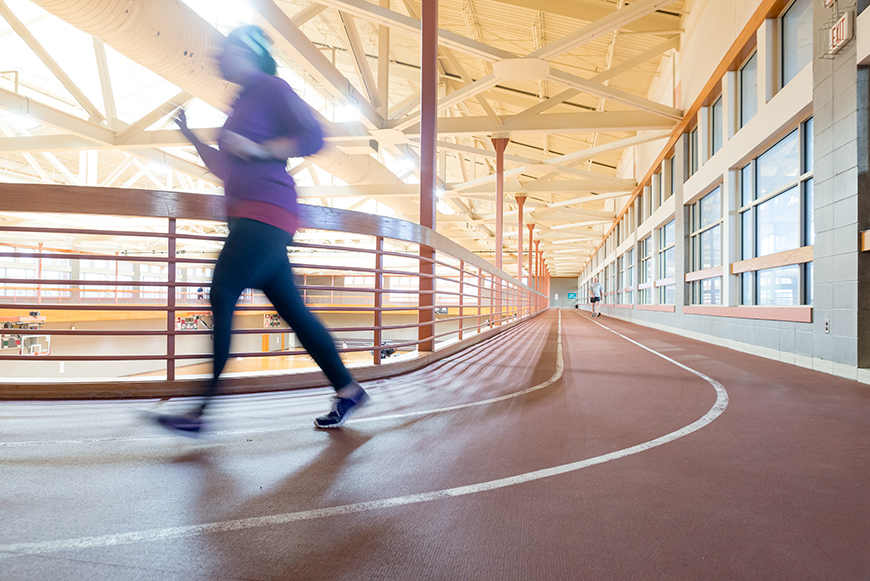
(243, 147)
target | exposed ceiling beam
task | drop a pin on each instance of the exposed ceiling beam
(545, 213)
(591, 10)
(628, 121)
(152, 117)
(105, 83)
(466, 77)
(49, 62)
(599, 78)
(613, 21)
(591, 152)
(618, 95)
(291, 39)
(177, 164)
(378, 15)
(583, 199)
(480, 85)
(46, 115)
(307, 13)
(370, 190)
(560, 187)
(360, 61)
(17, 178)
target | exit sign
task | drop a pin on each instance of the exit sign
(840, 34)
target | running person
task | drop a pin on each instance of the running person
(268, 124)
(595, 297)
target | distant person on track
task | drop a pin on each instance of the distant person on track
(268, 124)
(595, 297)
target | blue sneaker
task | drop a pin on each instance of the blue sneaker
(342, 409)
(187, 424)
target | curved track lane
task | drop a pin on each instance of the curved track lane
(471, 468)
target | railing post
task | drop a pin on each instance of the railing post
(461, 297)
(479, 295)
(117, 270)
(379, 286)
(39, 276)
(170, 304)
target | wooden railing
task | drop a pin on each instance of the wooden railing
(472, 299)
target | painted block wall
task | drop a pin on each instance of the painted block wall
(840, 107)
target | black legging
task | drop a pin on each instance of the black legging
(255, 256)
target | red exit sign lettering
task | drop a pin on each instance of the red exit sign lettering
(841, 33)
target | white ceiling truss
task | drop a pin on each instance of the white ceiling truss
(568, 82)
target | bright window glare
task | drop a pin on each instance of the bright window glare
(444, 208)
(346, 113)
(225, 15)
(20, 121)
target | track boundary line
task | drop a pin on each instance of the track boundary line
(557, 374)
(37, 548)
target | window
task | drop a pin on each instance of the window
(706, 215)
(361, 281)
(628, 278)
(706, 247)
(667, 261)
(716, 127)
(669, 178)
(94, 294)
(748, 81)
(620, 275)
(20, 289)
(611, 284)
(153, 292)
(797, 39)
(693, 152)
(56, 291)
(643, 203)
(645, 274)
(776, 215)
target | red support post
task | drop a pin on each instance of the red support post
(521, 200)
(500, 143)
(428, 152)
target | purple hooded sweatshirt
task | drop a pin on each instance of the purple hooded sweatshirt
(262, 189)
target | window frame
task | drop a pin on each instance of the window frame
(661, 262)
(749, 281)
(743, 120)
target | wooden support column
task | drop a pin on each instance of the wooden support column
(500, 143)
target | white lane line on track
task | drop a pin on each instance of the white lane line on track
(18, 549)
(307, 425)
